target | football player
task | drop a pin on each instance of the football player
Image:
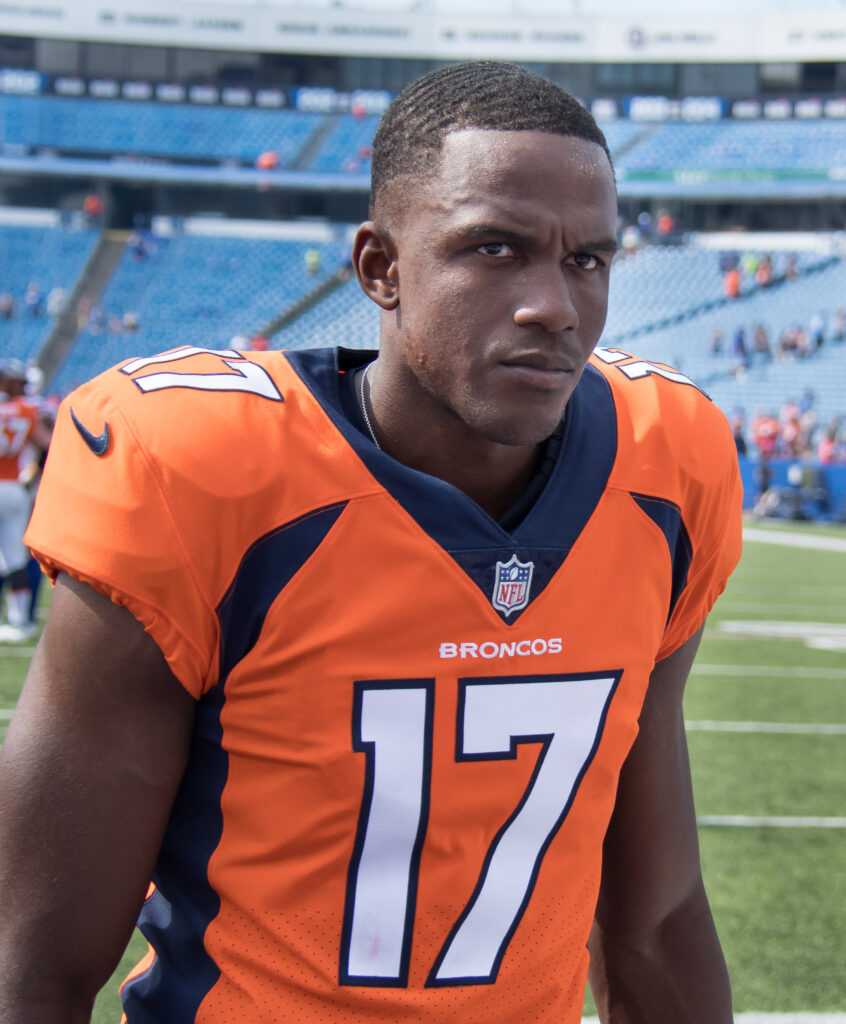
(388, 707)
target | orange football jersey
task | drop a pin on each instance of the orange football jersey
(18, 417)
(411, 721)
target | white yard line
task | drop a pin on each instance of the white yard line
(774, 606)
(772, 1018)
(797, 728)
(794, 540)
(783, 821)
(790, 1018)
(796, 589)
(819, 636)
(785, 671)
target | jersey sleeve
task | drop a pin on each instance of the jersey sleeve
(105, 519)
(675, 447)
(712, 513)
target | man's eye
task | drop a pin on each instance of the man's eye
(585, 261)
(495, 249)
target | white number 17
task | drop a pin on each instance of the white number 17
(241, 375)
(392, 725)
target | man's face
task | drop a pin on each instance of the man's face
(502, 261)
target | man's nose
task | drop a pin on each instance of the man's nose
(546, 301)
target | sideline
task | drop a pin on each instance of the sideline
(794, 540)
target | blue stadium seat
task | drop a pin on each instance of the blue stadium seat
(48, 257)
(790, 148)
(196, 290)
(85, 125)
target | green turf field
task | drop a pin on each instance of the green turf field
(778, 893)
(766, 712)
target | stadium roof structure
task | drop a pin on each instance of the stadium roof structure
(521, 30)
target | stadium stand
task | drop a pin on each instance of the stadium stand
(640, 301)
(48, 256)
(347, 146)
(621, 135)
(686, 343)
(85, 125)
(791, 148)
(347, 317)
(194, 290)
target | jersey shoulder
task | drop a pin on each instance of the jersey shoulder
(215, 417)
(187, 392)
(164, 472)
(667, 426)
(677, 459)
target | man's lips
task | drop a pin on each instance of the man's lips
(538, 369)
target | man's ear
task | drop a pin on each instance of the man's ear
(375, 261)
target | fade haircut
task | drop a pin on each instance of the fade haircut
(477, 94)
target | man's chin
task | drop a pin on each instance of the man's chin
(524, 433)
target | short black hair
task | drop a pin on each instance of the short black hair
(477, 94)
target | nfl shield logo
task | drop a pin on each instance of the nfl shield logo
(512, 585)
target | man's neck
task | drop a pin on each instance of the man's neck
(491, 474)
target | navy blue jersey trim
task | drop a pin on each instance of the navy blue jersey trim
(175, 918)
(455, 522)
(266, 568)
(668, 518)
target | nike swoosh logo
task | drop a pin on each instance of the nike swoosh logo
(98, 443)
